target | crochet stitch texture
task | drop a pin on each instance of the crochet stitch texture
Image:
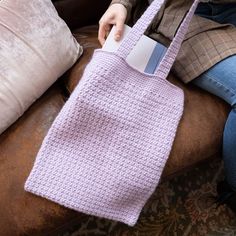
(105, 151)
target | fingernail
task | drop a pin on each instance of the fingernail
(117, 37)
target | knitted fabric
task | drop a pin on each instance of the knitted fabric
(106, 149)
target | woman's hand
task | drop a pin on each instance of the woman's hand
(115, 15)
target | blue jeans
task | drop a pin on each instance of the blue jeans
(220, 80)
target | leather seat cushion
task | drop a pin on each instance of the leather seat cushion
(24, 213)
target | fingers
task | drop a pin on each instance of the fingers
(115, 15)
(105, 26)
(102, 32)
(119, 28)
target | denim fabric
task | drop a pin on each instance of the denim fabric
(221, 13)
(220, 80)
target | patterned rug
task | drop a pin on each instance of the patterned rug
(182, 206)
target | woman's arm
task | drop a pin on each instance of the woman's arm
(117, 14)
(128, 4)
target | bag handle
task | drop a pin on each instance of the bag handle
(140, 27)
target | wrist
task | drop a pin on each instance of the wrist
(126, 4)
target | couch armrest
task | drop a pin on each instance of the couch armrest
(78, 13)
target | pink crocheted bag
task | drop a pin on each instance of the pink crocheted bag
(106, 149)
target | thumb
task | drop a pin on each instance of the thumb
(119, 29)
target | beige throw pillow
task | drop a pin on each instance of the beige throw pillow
(36, 48)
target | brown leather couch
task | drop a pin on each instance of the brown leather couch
(199, 135)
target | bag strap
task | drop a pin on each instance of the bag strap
(140, 27)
